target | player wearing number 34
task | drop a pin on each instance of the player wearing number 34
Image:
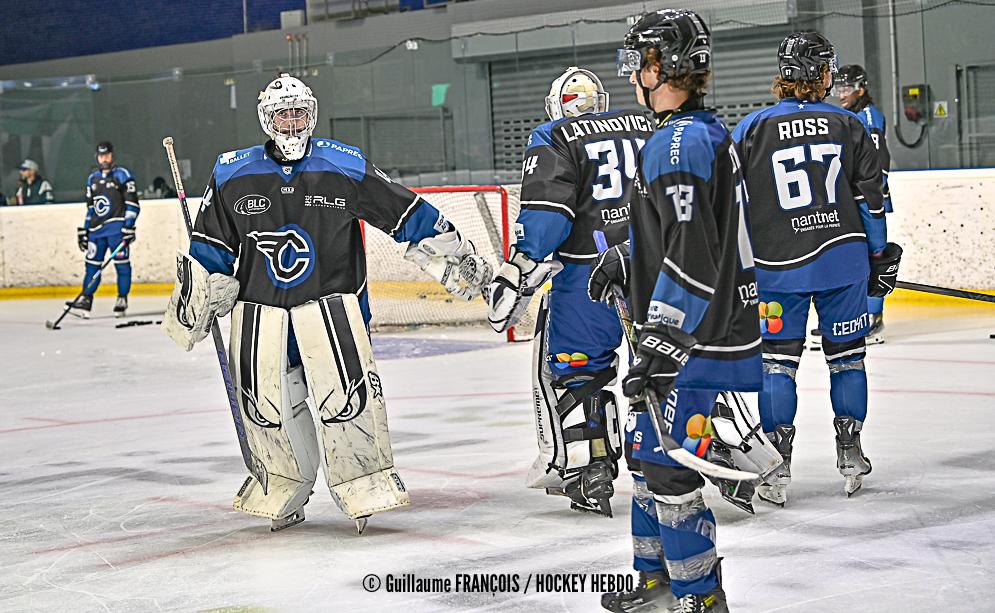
(289, 212)
(819, 234)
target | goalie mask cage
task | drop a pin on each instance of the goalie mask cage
(401, 295)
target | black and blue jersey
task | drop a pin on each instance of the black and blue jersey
(577, 177)
(816, 204)
(692, 263)
(873, 119)
(111, 202)
(294, 227)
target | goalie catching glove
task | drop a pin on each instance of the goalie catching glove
(452, 260)
(198, 298)
(518, 279)
(884, 271)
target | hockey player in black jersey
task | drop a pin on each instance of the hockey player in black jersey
(288, 212)
(576, 178)
(111, 213)
(855, 96)
(691, 285)
(819, 236)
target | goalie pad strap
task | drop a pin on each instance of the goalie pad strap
(576, 395)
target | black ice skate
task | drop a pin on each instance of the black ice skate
(591, 492)
(774, 489)
(120, 306)
(738, 493)
(876, 334)
(81, 307)
(850, 457)
(652, 593)
(712, 602)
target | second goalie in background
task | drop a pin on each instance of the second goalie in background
(289, 213)
(576, 178)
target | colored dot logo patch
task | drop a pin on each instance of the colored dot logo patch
(770, 317)
(699, 429)
(568, 360)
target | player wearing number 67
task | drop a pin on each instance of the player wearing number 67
(289, 212)
(819, 234)
(576, 178)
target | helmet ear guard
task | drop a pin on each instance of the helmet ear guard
(575, 92)
(287, 92)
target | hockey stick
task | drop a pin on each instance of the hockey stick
(54, 325)
(255, 467)
(945, 291)
(669, 445)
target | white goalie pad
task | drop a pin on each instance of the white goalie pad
(278, 424)
(452, 260)
(198, 298)
(737, 426)
(345, 390)
(565, 445)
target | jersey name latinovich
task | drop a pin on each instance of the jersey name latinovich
(577, 178)
(692, 263)
(295, 227)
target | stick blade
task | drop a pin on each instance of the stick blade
(688, 459)
(51, 325)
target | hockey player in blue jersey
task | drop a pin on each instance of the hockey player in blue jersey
(855, 96)
(817, 210)
(691, 285)
(576, 179)
(288, 213)
(111, 213)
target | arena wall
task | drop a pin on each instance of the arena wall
(944, 219)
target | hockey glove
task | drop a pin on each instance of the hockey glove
(452, 260)
(82, 238)
(884, 271)
(198, 298)
(661, 352)
(516, 282)
(612, 269)
(128, 235)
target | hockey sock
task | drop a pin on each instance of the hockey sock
(875, 305)
(91, 270)
(647, 551)
(847, 378)
(687, 531)
(123, 278)
(778, 400)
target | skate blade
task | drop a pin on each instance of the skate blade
(120, 314)
(774, 494)
(361, 523)
(286, 522)
(852, 484)
(79, 314)
(744, 505)
(591, 508)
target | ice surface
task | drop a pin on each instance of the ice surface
(118, 464)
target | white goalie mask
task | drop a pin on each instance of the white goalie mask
(575, 92)
(288, 113)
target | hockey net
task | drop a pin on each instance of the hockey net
(401, 295)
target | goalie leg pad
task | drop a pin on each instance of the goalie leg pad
(577, 420)
(198, 298)
(278, 425)
(345, 390)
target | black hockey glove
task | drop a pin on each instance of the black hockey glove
(82, 238)
(661, 352)
(612, 268)
(884, 271)
(128, 235)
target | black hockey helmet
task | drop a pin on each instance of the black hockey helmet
(853, 75)
(682, 39)
(802, 55)
(104, 147)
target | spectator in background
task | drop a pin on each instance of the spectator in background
(32, 188)
(160, 189)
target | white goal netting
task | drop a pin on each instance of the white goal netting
(402, 295)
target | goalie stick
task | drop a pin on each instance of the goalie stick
(670, 446)
(255, 467)
(54, 325)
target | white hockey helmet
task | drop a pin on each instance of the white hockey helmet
(288, 113)
(575, 92)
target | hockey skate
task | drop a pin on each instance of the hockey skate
(850, 457)
(591, 492)
(738, 493)
(712, 602)
(121, 306)
(286, 522)
(774, 488)
(875, 336)
(652, 593)
(81, 306)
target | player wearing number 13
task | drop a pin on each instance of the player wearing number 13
(817, 217)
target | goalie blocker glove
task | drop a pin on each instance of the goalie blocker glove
(884, 271)
(661, 353)
(198, 298)
(612, 269)
(518, 279)
(452, 260)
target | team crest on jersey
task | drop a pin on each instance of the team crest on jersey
(289, 252)
(253, 204)
(101, 205)
(287, 170)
